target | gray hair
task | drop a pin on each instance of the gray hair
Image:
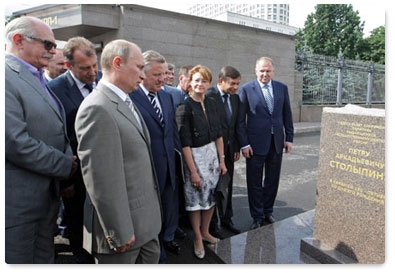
(266, 59)
(151, 56)
(25, 25)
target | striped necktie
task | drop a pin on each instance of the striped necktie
(152, 97)
(129, 103)
(268, 97)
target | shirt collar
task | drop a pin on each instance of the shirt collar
(34, 70)
(115, 89)
(263, 84)
(79, 83)
(144, 89)
(220, 90)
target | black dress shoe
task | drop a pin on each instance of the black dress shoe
(82, 256)
(269, 220)
(228, 224)
(180, 234)
(173, 247)
(256, 224)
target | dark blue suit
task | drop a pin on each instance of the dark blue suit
(231, 145)
(164, 141)
(265, 133)
(177, 95)
(70, 95)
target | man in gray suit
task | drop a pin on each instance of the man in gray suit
(37, 150)
(123, 212)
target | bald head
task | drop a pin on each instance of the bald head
(123, 65)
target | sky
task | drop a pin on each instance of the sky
(373, 13)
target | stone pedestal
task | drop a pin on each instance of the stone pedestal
(350, 212)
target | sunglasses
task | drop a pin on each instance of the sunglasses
(48, 45)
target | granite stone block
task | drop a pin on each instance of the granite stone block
(350, 210)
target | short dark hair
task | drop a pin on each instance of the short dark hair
(184, 70)
(229, 72)
(81, 43)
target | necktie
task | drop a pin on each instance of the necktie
(89, 86)
(152, 96)
(268, 97)
(227, 109)
(128, 101)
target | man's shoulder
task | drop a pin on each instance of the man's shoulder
(60, 82)
(212, 91)
(249, 84)
(278, 84)
(171, 89)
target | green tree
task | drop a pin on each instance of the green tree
(374, 46)
(331, 29)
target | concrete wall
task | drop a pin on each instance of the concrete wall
(187, 40)
(190, 40)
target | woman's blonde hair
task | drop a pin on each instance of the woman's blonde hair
(203, 70)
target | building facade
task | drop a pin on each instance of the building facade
(276, 13)
(244, 20)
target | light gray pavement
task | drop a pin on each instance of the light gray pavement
(297, 183)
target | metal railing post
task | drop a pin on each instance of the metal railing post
(341, 65)
(370, 84)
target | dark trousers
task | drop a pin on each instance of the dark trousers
(73, 215)
(261, 196)
(169, 198)
(229, 163)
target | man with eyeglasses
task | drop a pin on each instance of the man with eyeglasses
(37, 151)
(48, 45)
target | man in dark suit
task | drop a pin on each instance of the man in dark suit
(178, 99)
(184, 81)
(177, 94)
(37, 150)
(265, 113)
(228, 106)
(71, 88)
(157, 109)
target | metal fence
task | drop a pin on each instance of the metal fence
(330, 80)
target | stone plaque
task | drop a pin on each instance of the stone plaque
(350, 210)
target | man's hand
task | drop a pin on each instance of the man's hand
(247, 152)
(74, 165)
(288, 147)
(126, 246)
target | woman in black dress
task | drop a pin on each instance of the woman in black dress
(201, 138)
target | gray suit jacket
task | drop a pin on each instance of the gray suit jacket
(117, 168)
(37, 150)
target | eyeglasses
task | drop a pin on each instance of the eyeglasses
(48, 45)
